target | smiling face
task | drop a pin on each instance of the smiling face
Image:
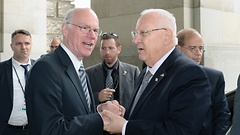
(79, 43)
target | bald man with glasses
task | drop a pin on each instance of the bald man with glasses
(190, 42)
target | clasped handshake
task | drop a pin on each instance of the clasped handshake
(112, 114)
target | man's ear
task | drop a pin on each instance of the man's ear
(64, 29)
(168, 37)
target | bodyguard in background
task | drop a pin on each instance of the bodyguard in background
(56, 41)
(13, 74)
(122, 75)
(190, 42)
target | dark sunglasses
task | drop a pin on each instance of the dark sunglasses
(107, 35)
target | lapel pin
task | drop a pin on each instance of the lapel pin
(124, 72)
(162, 75)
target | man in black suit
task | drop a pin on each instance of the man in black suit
(123, 75)
(176, 97)
(235, 130)
(13, 118)
(58, 93)
(190, 42)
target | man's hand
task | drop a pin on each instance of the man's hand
(112, 123)
(105, 94)
(112, 106)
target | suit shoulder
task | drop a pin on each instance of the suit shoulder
(128, 65)
(5, 63)
(209, 70)
(94, 67)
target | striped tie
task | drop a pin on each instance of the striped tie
(84, 85)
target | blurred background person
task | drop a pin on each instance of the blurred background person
(190, 42)
(13, 75)
(56, 41)
(112, 79)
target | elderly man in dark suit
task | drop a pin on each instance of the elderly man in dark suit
(123, 75)
(172, 96)
(190, 42)
(58, 93)
(13, 73)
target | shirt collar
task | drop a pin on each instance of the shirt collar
(115, 66)
(16, 63)
(75, 61)
(155, 67)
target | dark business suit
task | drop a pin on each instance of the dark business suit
(176, 101)
(235, 129)
(221, 113)
(56, 103)
(6, 92)
(128, 75)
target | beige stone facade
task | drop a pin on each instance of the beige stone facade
(217, 20)
(56, 10)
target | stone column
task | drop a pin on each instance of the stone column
(24, 14)
(217, 20)
(56, 10)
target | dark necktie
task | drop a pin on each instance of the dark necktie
(109, 80)
(25, 71)
(145, 82)
(84, 85)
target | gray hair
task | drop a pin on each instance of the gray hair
(167, 20)
(68, 16)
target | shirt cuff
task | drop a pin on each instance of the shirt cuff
(124, 128)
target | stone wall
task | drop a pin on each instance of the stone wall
(56, 10)
(217, 20)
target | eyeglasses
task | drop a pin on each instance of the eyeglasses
(144, 33)
(53, 46)
(194, 49)
(86, 29)
(107, 35)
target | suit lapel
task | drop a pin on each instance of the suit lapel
(156, 79)
(9, 77)
(158, 76)
(99, 73)
(73, 76)
(123, 73)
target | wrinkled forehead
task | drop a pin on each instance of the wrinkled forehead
(149, 20)
(85, 16)
(193, 39)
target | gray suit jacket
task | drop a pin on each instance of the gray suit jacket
(128, 74)
(235, 130)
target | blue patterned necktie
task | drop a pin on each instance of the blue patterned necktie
(84, 85)
(25, 71)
